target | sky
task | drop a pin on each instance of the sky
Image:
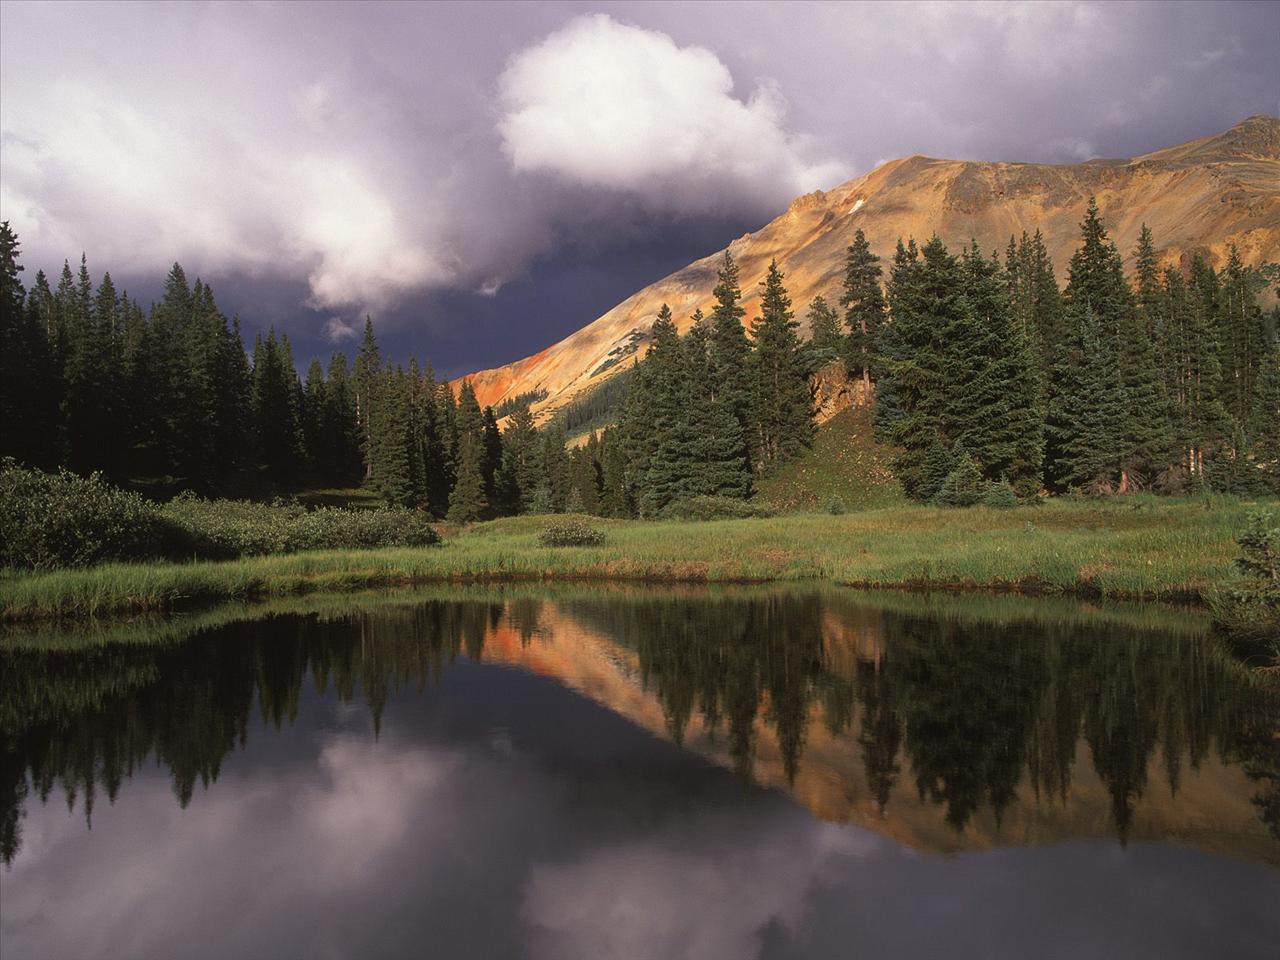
(485, 178)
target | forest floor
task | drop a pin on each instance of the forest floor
(1135, 547)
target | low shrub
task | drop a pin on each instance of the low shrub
(835, 507)
(999, 495)
(715, 508)
(226, 529)
(570, 532)
(334, 528)
(64, 520)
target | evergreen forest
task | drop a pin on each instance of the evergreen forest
(990, 381)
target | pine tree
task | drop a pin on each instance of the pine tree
(387, 454)
(892, 344)
(1241, 334)
(824, 329)
(1091, 411)
(783, 402)
(864, 307)
(1088, 429)
(557, 479)
(696, 344)
(275, 414)
(367, 368)
(1149, 436)
(995, 405)
(492, 458)
(341, 458)
(729, 352)
(584, 467)
(467, 501)
(938, 464)
(963, 486)
(521, 459)
(614, 500)
(28, 395)
(1266, 416)
(314, 400)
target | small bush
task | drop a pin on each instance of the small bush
(64, 520)
(570, 532)
(999, 495)
(963, 486)
(835, 507)
(715, 508)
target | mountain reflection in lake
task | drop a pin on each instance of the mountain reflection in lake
(633, 773)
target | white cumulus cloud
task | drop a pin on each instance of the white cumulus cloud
(610, 105)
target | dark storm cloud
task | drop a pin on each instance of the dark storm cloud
(455, 167)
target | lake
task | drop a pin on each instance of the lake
(596, 772)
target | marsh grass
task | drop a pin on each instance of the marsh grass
(1136, 547)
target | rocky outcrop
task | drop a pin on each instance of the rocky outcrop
(1198, 197)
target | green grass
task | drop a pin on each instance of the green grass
(843, 462)
(1001, 609)
(1138, 547)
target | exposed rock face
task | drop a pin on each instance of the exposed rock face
(833, 391)
(1201, 196)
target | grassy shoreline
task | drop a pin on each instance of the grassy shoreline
(1135, 548)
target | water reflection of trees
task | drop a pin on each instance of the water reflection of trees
(967, 707)
(974, 705)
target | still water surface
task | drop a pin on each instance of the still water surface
(632, 773)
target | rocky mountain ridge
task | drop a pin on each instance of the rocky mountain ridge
(1198, 197)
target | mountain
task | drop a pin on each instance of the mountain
(1201, 196)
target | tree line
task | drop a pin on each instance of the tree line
(1171, 382)
(983, 372)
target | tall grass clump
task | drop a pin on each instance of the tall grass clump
(50, 520)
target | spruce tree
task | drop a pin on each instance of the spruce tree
(783, 402)
(1149, 438)
(1241, 334)
(492, 458)
(824, 329)
(895, 343)
(522, 459)
(467, 501)
(864, 307)
(614, 500)
(1091, 410)
(1266, 416)
(994, 404)
(557, 478)
(387, 454)
(367, 369)
(584, 467)
(28, 396)
(1089, 423)
(342, 461)
(729, 352)
(937, 465)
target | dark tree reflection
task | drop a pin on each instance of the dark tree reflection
(973, 706)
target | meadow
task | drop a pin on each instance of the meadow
(1131, 548)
